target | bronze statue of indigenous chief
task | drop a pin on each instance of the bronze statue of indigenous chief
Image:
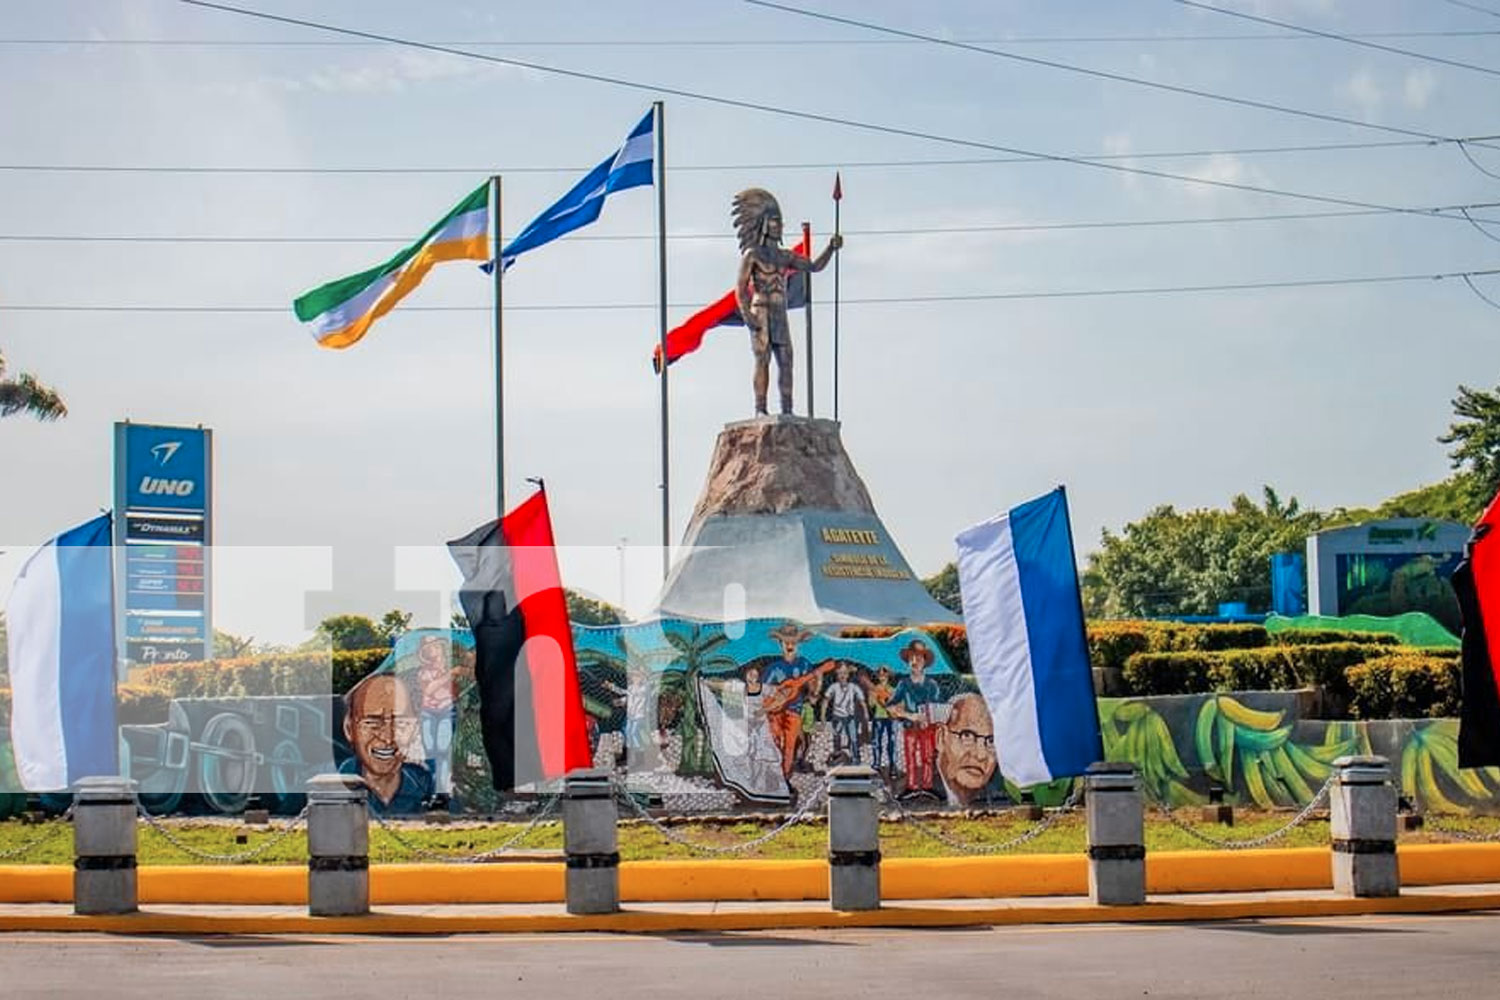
(760, 290)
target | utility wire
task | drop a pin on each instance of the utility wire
(1332, 36)
(815, 116)
(727, 42)
(1009, 227)
(1476, 224)
(108, 168)
(1474, 6)
(1470, 282)
(1100, 74)
(876, 300)
(1463, 147)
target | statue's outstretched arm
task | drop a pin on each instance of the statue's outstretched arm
(801, 263)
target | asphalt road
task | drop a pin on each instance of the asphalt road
(1357, 957)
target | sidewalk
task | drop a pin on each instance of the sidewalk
(742, 916)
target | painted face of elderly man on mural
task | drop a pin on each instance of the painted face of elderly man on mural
(966, 749)
(381, 725)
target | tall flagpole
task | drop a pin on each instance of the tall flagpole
(499, 296)
(660, 158)
(807, 278)
(838, 198)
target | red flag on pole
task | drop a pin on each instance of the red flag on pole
(1477, 583)
(530, 703)
(688, 336)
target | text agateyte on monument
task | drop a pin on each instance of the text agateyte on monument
(760, 289)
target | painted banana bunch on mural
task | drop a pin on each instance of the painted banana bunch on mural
(1429, 768)
(1136, 732)
(1234, 740)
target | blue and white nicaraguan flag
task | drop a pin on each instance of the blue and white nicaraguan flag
(60, 624)
(629, 166)
(1019, 586)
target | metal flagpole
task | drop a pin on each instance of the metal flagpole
(660, 158)
(838, 197)
(499, 296)
(807, 277)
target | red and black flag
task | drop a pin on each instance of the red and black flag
(530, 704)
(1477, 582)
(687, 337)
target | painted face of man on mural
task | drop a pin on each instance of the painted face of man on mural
(966, 749)
(380, 724)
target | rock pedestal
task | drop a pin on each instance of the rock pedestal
(785, 528)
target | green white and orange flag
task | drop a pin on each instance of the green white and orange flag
(341, 311)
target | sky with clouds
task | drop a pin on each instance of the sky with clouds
(340, 471)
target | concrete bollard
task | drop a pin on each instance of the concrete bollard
(853, 839)
(1117, 835)
(591, 842)
(104, 846)
(1362, 820)
(338, 846)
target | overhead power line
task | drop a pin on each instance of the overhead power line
(858, 301)
(816, 116)
(114, 168)
(1474, 6)
(1097, 73)
(1332, 36)
(699, 43)
(1006, 227)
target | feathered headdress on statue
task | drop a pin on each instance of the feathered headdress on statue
(752, 207)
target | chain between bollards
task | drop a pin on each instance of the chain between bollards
(964, 847)
(60, 826)
(390, 830)
(803, 811)
(1250, 842)
(162, 830)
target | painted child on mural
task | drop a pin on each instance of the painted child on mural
(914, 702)
(882, 723)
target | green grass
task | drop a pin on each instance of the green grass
(638, 841)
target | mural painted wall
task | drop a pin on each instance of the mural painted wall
(704, 718)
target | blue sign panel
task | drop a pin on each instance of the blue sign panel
(166, 468)
(163, 503)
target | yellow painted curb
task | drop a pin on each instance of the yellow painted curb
(657, 921)
(1016, 876)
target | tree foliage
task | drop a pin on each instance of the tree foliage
(585, 610)
(1475, 436)
(1186, 562)
(392, 624)
(351, 632)
(943, 586)
(228, 646)
(24, 394)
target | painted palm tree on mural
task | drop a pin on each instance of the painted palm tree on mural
(699, 651)
(24, 394)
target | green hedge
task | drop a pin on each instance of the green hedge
(280, 673)
(1271, 668)
(1197, 672)
(1329, 636)
(1405, 686)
